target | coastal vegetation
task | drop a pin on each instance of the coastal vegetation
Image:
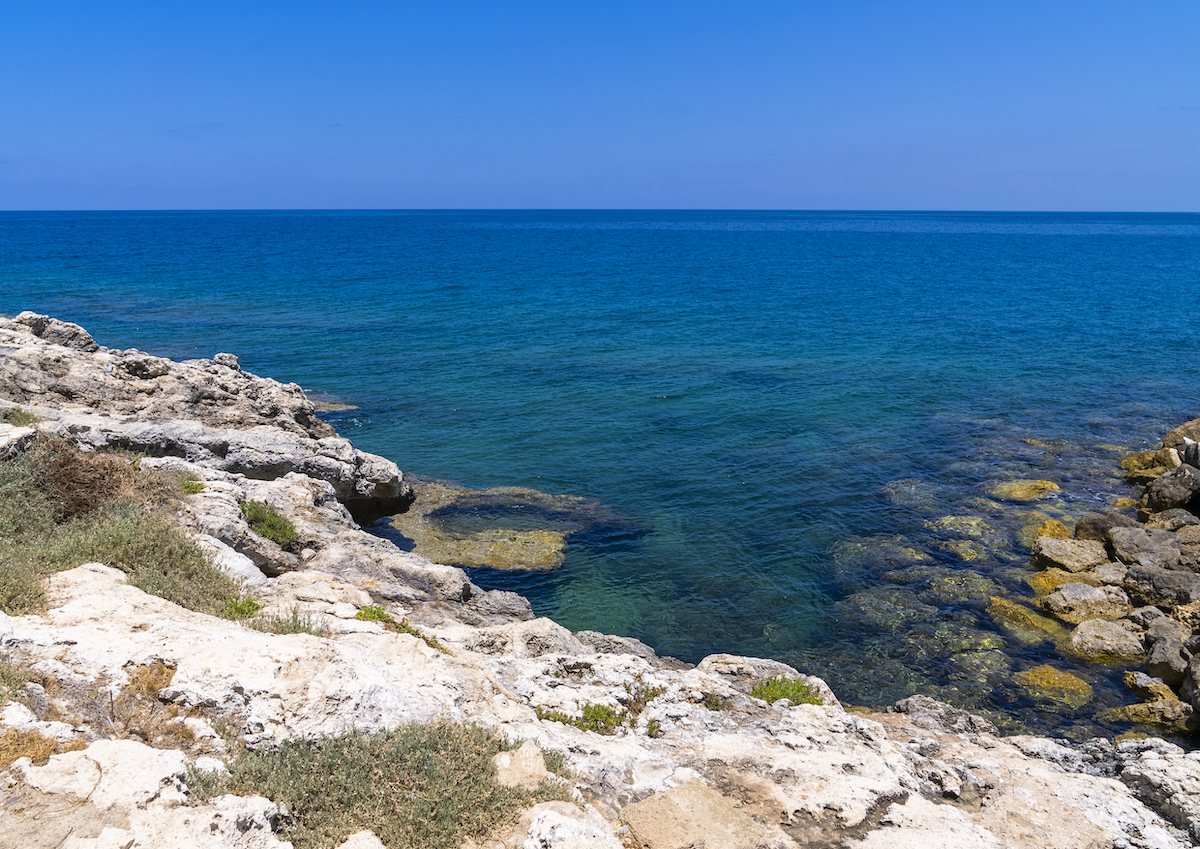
(61, 507)
(607, 720)
(268, 522)
(20, 418)
(292, 622)
(777, 687)
(376, 613)
(429, 785)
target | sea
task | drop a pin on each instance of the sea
(798, 417)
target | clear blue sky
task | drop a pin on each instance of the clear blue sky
(749, 105)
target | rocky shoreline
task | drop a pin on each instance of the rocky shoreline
(702, 761)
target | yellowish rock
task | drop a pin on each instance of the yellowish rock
(966, 526)
(1048, 580)
(1170, 713)
(1024, 624)
(1053, 528)
(1022, 490)
(1049, 683)
(1125, 504)
(964, 550)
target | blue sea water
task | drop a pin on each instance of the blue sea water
(782, 404)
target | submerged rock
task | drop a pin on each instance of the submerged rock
(1047, 682)
(1022, 490)
(504, 527)
(1023, 623)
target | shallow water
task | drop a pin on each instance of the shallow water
(769, 399)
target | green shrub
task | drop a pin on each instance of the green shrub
(294, 622)
(417, 786)
(653, 728)
(13, 679)
(373, 613)
(240, 607)
(268, 522)
(712, 701)
(771, 690)
(20, 418)
(638, 695)
(556, 762)
(191, 487)
(599, 718)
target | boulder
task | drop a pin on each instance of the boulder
(1097, 525)
(1144, 546)
(1164, 778)
(1164, 588)
(1073, 555)
(1148, 688)
(1168, 660)
(1176, 488)
(369, 486)
(1172, 713)
(1077, 602)
(1172, 520)
(1176, 437)
(1103, 640)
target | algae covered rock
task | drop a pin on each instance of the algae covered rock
(1023, 623)
(1022, 490)
(510, 528)
(1171, 713)
(1049, 683)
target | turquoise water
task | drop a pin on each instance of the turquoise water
(746, 388)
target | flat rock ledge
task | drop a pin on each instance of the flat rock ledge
(723, 769)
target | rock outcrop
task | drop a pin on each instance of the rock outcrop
(695, 757)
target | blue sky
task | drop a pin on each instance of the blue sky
(750, 105)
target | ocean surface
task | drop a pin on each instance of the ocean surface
(782, 406)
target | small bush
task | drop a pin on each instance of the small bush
(20, 418)
(599, 718)
(714, 702)
(653, 728)
(373, 613)
(240, 607)
(77, 482)
(156, 554)
(771, 690)
(268, 522)
(639, 695)
(420, 785)
(26, 744)
(294, 623)
(556, 762)
(191, 487)
(12, 682)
